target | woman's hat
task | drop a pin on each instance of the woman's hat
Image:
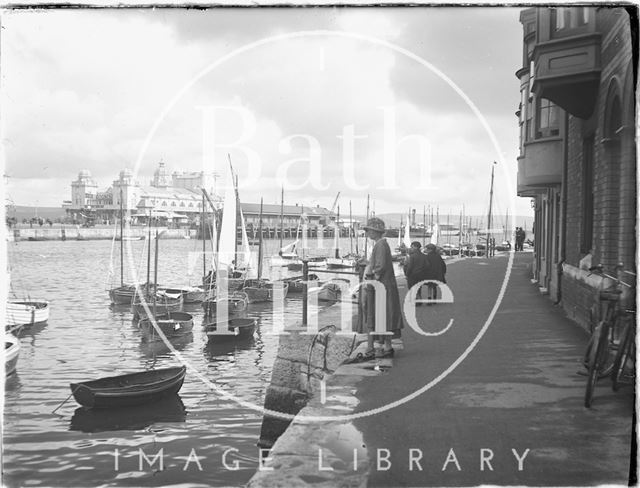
(416, 244)
(376, 224)
(431, 247)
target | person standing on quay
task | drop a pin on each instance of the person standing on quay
(380, 268)
(436, 270)
(415, 267)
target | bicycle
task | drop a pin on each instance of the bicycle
(600, 361)
(624, 364)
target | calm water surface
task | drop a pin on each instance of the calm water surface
(85, 339)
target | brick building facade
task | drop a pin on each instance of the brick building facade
(577, 147)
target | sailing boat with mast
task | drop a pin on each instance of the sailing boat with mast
(123, 294)
(287, 254)
(197, 294)
(228, 267)
(340, 262)
(259, 289)
(168, 301)
(172, 323)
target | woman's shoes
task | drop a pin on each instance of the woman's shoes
(361, 357)
(384, 353)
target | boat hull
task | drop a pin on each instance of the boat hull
(172, 324)
(11, 353)
(236, 303)
(296, 285)
(164, 304)
(129, 389)
(341, 263)
(263, 291)
(239, 328)
(122, 295)
(21, 313)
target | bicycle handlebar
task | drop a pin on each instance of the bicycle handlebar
(599, 269)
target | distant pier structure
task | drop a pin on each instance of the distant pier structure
(175, 201)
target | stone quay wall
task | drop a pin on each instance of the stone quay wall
(303, 361)
(77, 233)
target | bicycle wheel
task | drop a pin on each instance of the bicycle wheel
(625, 352)
(597, 360)
(606, 368)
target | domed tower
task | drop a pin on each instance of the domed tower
(161, 178)
(125, 186)
(83, 190)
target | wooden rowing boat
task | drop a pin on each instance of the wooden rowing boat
(137, 417)
(172, 324)
(236, 302)
(11, 353)
(164, 303)
(26, 312)
(238, 329)
(129, 389)
(296, 283)
(264, 290)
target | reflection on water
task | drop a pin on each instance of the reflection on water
(169, 409)
(86, 338)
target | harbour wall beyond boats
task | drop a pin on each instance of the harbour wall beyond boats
(304, 360)
(77, 233)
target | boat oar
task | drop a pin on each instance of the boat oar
(66, 399)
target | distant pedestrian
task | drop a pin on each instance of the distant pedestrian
(436, 270)
(520, 236)
(415, 267)
(380, 268)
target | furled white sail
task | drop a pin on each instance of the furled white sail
(214, 240)
(435, 230)
(227, 244)
(407, 234)
(245, 258)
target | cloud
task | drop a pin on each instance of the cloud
(82, 89)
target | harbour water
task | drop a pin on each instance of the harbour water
(86, 338)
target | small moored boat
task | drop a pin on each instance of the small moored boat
(164, 303)
(190, 294)
(296, 283)
(11, 353)
(332, 291)
(236, 302)
(27, 312)
(122, 295)
(129, 389)
(172, 324)
(238, 328)
(264, 290)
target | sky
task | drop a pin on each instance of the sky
(409, 105)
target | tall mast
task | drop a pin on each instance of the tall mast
(336, 238)
(366, 241)
(204, 241)
(490, 205)
(460, 232)
(424, 224)
(506, 226)
(149, 254)
(350, 230)
(238, 210)
(155, 275)
(260, 242)
(121, 241)
(281, 215)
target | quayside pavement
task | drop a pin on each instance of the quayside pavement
(498, 403)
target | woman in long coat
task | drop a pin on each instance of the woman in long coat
(380, 268)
